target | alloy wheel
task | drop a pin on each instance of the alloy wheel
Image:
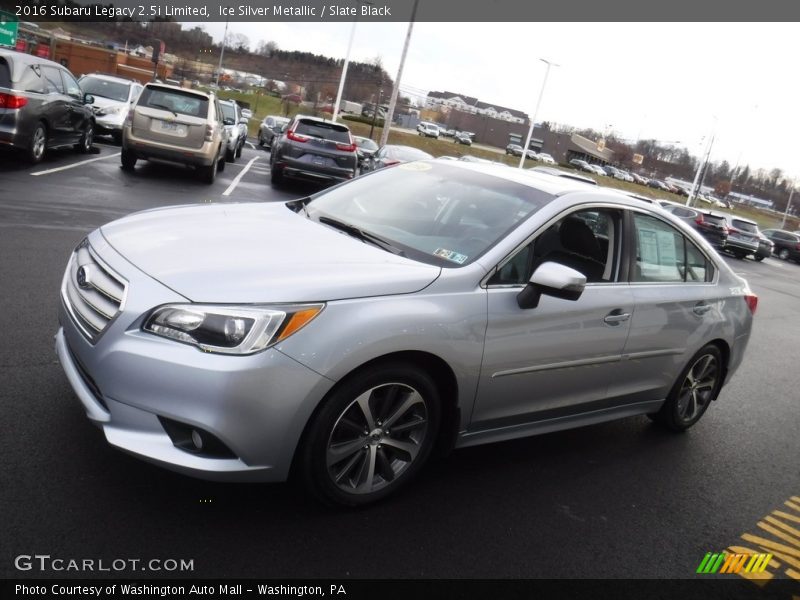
(39, 141)
(376, 438)
(698, 388)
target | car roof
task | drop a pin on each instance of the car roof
(21, 60)
(179, 89)
(319, 120)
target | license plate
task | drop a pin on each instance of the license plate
(172, 128)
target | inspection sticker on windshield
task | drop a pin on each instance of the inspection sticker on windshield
(450, 255)
(414, 166)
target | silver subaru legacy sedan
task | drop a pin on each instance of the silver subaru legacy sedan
(343, 337)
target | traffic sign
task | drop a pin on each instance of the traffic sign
(9, 25)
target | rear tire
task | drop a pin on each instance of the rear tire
(239, 150)
(38, 144)
(759, 258)
(693, 391)
(209, 173)
(128, 160)
(371, 436)
(275, 176)
(783, 254)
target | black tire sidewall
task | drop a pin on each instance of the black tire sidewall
(313, 454)
(31, 156)
(668, 415)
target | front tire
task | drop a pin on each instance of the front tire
(783, 254)
(696, 386)
(209, 173)
(371, 436)
(87, 139)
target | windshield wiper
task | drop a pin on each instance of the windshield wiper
(364, 236)
(164, 107)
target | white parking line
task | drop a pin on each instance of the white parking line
(252, 145)
(72, 166)
(238, 178)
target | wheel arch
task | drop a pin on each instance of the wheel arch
(725, 351)
(443, 377)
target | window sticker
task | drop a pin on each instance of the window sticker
(450, 255)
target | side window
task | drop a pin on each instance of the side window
(32, 80)
(72, 87)
(52, 80)
(663, 254)
(587, 241)
(137, 89)
(683, 212)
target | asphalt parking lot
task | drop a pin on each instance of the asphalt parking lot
(616, 500)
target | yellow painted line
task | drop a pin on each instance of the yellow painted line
(786, 552)
(786, 516)
(779, 534)
(782, 525)
(794, 507)
(73, 165)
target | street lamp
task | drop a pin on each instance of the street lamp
(536, 111)
(346, 64)
(788, 206)
(222, 53)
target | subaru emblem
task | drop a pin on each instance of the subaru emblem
(81, 277)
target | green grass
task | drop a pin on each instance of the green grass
(263, 105)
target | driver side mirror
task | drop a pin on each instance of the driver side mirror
(88, 99)
(244, 121)
(552, 279)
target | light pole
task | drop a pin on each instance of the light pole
(346, 64)
(701, 166)
(221, 54)
(788, 206)
(536, 111)
(387, 120)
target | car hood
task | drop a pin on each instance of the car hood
(253, 253)
(101, 102)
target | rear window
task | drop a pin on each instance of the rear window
(745, 226)
(177, 101)
(714, 219)
(227, 111)
(325, 131)
(5, 73)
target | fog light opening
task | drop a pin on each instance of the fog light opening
(197, 440)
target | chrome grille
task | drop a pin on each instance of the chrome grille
(92, 293)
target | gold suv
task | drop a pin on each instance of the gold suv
(177, 125)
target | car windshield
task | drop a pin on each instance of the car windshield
(113, 90)
(366, 143)
(434, 212)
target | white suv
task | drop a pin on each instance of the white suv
(428, 130)
(113, 98)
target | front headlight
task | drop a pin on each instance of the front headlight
(110, 110)
(229, 329)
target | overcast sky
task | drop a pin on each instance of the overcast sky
(665, 81)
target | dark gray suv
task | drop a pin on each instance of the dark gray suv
(42, 106)
(313, 149)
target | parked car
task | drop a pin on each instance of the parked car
(659, 185)
(743, 236)
(514, 150)
(597, 170)
(462, 138)
(581, 165)
(247, 113)
(686, 214)
(42, 107)
(177, 125)
(640, 179)
(365, 148)
(392, 154)
(531, 154)
(236, 127)
(766, 247)
(428, 130)
(271, 126)
(787, 244)
(612, 172)
(345, 335)
(314, 149)
(113, 98)
(545, 158)
(711, 225)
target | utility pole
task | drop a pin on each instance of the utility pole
(535, 112)
(788, 206)
(222, 52)
(387, 121)
(375, 114)
(346, 64)
(700, 168)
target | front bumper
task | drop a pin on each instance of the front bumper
(128, 381)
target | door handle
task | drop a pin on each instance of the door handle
(701, 308)
(615, 317)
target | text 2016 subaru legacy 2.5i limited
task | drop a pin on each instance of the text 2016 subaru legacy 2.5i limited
(342, 337)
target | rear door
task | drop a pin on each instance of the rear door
(170, 116)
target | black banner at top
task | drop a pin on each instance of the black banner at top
(401, 10)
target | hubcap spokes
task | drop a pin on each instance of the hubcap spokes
(38, 143)
(376, 438)
(698, 387)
